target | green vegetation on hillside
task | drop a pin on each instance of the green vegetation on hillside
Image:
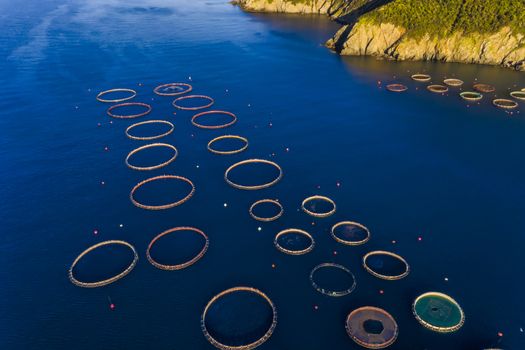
(442, 17)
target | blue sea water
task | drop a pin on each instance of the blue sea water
(408, 165)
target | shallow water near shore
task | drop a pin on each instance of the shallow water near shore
(408, 166)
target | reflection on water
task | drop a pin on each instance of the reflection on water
(406, 165)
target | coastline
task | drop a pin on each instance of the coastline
(362, 36)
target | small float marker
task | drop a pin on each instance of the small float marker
(121, 225)
(95, 232)
(381, 291)
(335, 252)
(500, 334)
(106, 148)
(259, 228)
(225, 205)
(102, 183)
(316, 307)
(112, 306)
(273, 266)
(419, 239)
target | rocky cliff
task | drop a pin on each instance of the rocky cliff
(470, 31)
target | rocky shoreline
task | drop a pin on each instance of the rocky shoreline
(503, 47)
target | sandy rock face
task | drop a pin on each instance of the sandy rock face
(504, 47)
(288, 6)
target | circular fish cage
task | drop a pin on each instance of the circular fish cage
(386, 265)
(453, 82)
(519, 95)
(107, 281)
(396, 87)
(504, 103)
(219, 126)
(184, 264)
(350, 233)
(228, 137)
(253, 187)
(176, 102)
(471, 96)
(485, 88)
(372, 327)
(177, 89)
(129, 116)
(438, 312)
(162, 206)
(437, 89)
(153, 167)
(286, 237)
(312, 211)
(421, 77)
(148, 122)
(224, 326)
(116, 100)
(329, 291)
(269, 218)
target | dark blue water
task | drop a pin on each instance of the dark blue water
(409, 165)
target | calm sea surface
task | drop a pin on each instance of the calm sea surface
(408, 165)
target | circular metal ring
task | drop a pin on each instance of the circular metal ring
(163, 206)
(99, 96)
(146, 138)
(108, 280)
(187, 97)
(153, 167)
(267, 219)
(294, 252)
(486, 88)
(471, 96)
(252, 345)
(438, 89)
(316, 214)
(505, 103)
(185, 264)
(438, 306)
(202, 126)
(453, 82)
(183, 85)
(347, 242)
(396, 87)
(253, 187)
(332, 293)
(355, 327)
(386, 277)
(129, 116)
(226, 137)
(421, 77)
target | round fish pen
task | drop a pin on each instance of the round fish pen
(183, 265)
(437, 89)
(504, 103)
(224, 325)
(172, 89)
(161, 206)
(453, 82)
(471, 96)
(129, 104)
(350, 233)
(286, 239)
(438, 312)
(218, 126)
(266, 218)
(176, 102)
(485, 88)
(153, 167)
(312, 211)
(228, 137)
(421, 77)
(149, 122)
(253, 187)
(519, 95)
(386, 265)
(106, 281)
(372, 327)
(100, 96)
(330, 291)
(396, 87)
